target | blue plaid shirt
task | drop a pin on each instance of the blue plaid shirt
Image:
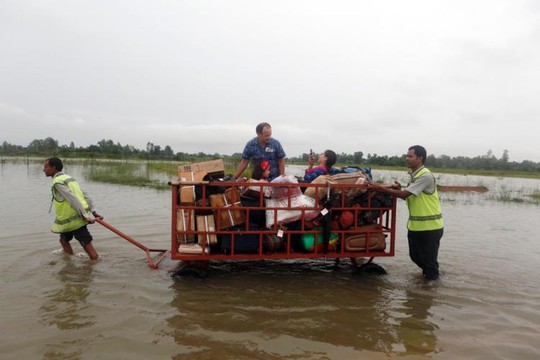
(272, 152)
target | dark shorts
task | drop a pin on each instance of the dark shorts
(81, 234)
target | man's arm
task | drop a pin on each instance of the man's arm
(72, 200)
(392, 189)
(281, 166)
(91, 205)
(240, 169)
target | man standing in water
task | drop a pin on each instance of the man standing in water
(425, 225)
(263, 147)
(74, 209)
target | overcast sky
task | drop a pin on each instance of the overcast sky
(459, 77)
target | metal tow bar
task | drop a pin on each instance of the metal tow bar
(151, 263)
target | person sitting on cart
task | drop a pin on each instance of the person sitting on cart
(259, 174)
(261, 171)
(324, 165)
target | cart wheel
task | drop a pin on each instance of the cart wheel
(371, 268)
(190, 270)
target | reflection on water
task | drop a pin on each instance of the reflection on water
(66, 307)
(292, 311)
(415, 329)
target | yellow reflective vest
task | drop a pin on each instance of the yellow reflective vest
(67, 218)
(424, 208)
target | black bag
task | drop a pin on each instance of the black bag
(378, 200)
(244, 243)
(255, 216)
(216, 177)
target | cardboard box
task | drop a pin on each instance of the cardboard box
(195, 172)
(206, 223)
(192, 249)
(227, 218)
(185, 221)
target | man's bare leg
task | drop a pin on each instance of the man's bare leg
(91, 251)
(66, 246)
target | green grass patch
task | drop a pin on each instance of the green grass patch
(124, 174)
(165, 168)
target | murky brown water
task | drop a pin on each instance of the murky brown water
(486, 305)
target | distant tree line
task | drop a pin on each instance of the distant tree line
(109, 149)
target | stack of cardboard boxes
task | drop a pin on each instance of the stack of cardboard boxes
(186, 219)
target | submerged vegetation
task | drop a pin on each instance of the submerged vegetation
(124, 174)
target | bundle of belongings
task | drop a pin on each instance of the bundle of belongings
(215, 214)
(199, 226)
(366, 207)
(288, 195)
(220, 217)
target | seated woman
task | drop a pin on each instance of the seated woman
(261, 171)
(260, 174)
(324, 166)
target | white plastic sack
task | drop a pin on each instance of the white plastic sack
(289, 215)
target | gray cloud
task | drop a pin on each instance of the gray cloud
(459, 77)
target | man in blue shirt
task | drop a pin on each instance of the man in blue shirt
(263, 147)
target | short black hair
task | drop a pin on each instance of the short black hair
(56, 163)
(420, 151)
(261, 126)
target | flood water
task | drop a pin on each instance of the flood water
(485, 306)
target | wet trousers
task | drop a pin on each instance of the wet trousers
(424, 251)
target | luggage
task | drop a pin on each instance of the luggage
(226, 218)
(308, 242)
(319, 193)
(378, 202)
(254, 191)
(357, 178)
(273, 243)
(244, 242)
(255, 216)
(358, 242)
(286, 216)
(288, 190)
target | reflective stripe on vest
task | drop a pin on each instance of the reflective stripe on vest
(424, 208)
(67, 218)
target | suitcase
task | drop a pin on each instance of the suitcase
(255, 216)
(358, 242)
(308, 242)
(244, 242)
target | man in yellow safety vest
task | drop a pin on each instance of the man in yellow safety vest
(74, 209)
(425, 224)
